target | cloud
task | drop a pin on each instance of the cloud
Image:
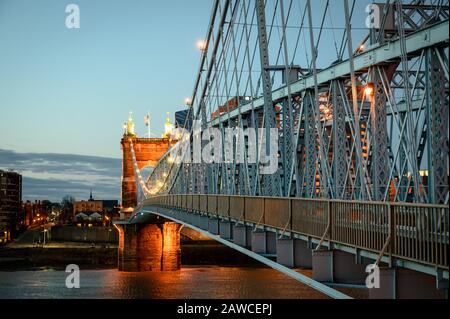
(52, 176)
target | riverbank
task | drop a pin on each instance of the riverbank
(104, 256)
(13, 259)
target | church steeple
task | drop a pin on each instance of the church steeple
(90, 196)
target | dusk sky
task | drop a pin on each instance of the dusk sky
(68, 91)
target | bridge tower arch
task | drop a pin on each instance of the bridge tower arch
(148, 151)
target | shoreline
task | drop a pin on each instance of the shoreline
(59, 255)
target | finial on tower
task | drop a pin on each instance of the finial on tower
(168, 127)
(130, 124)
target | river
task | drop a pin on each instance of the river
(191, 282)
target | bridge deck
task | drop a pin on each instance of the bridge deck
(407, 235)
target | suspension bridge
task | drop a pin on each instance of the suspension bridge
(357, 95)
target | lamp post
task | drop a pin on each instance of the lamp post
(44, 232)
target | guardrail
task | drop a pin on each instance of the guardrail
(415, 232)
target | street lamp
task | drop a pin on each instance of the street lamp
(45, 231)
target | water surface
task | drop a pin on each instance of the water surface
(190, 282)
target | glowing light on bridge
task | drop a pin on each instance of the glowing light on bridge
(369, 91)
(201, 45)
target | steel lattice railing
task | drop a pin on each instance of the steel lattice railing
(413, 232)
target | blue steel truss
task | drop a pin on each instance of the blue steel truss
(368, 122)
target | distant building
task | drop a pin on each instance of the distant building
(10, 202)
(183, 119)
(82, 219)
(34, 212)
(89, 206)
(95, 210)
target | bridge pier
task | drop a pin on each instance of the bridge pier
(194, 219)
(213, 226)
(149, 247)
(285, 252)
(203, 222)
(399, 283)
(264, 242)
(171, 256)
(294, 253)
(302, 254)
(198, 220)
(190, 218)
(335, 266)
(242, 235)
(225, 229)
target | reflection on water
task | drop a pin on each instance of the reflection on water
(190, 282)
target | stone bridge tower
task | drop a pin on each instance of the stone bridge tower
(148, 151)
